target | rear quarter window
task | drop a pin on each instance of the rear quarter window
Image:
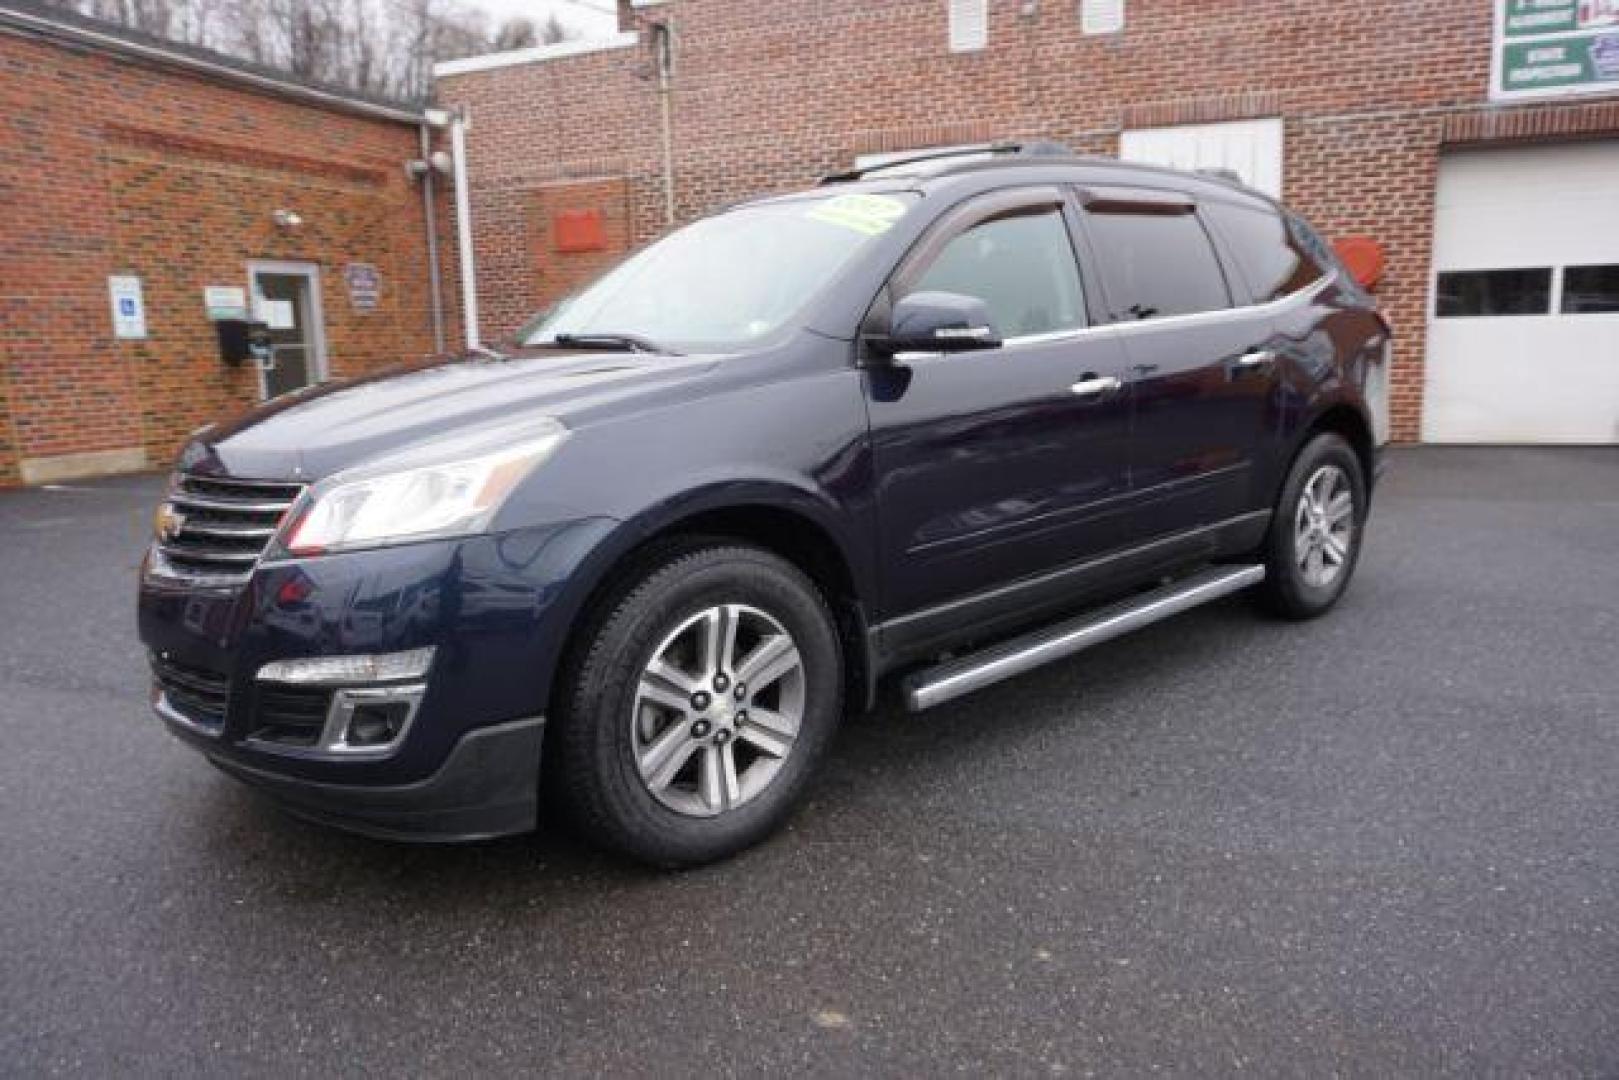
(1276, 253)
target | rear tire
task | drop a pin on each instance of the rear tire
(703, 695)
(1315, 534)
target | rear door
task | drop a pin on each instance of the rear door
(1203, 373)
(998, 464)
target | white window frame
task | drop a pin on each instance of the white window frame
(1100, 17)
(969, 25)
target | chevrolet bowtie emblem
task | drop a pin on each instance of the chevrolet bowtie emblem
(168, 522)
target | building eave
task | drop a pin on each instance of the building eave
(539, 54)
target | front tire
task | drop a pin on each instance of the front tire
(1315, 534)
(704, 694)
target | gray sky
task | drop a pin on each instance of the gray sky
(592, 18)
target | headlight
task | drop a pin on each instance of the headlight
(450, 499)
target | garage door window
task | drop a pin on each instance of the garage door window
(1591, 290)
(1468, 293)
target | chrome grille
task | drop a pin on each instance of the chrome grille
(212, 531)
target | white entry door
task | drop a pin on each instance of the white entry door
(286, 296)
(1523, 337)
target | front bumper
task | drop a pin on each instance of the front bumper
(488, 786)
(495, 609)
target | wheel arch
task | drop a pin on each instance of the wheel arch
(1350, 423)
(790, 523)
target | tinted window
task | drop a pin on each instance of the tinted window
(1154, 265)
(1022, 266)
(1466, 293)
(1272, 254)
(1590, 290)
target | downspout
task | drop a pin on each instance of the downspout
(663, 44)
(435, 284)
(463, 228)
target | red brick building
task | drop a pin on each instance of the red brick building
(1476, 141)
(185, 187)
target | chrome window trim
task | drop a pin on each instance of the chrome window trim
(1194, 318)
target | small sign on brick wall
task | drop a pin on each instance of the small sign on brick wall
(225, 301)
(579, 230)
(128, 307)
(365, 286)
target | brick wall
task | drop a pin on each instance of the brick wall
(768, 96)
(111, 166)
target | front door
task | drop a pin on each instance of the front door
(286, 296)
(999, 464)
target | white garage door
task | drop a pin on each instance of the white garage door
(1523, 339)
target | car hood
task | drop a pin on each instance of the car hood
(313, 433)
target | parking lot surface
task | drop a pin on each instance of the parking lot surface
(1386, 841)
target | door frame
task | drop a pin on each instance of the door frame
(315, 317)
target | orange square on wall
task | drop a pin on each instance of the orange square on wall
(579, 230)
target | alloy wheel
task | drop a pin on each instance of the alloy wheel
(717, 710)
(1323, 526)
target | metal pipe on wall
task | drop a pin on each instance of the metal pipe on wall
(435, 284)
(463, 229)
(664, 49)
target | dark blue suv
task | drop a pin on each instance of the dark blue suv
(944, 420)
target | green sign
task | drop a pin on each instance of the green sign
(1548, 48)
(1526, 18)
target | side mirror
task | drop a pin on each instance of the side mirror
(938, 322)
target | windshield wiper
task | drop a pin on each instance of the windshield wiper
(626, 342)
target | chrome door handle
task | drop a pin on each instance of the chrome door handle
(1093, 386)
(1256, 358)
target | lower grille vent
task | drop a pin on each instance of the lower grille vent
(196, 694)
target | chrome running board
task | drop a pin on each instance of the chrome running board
(952, 679)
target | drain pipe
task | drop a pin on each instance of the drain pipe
(663, 44)
(463, 228)
(435, 282)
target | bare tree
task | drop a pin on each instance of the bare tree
(381, 47)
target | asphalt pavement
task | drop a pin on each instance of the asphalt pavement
(1386, 842)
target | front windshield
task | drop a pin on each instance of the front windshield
(726, 280)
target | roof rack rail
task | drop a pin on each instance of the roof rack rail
(1033, 148)
(1221, 172)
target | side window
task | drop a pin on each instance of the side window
(1022, 266)
(1273, 254)
(1156, 264)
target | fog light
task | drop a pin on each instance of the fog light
(348, 670)
(377, 725)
